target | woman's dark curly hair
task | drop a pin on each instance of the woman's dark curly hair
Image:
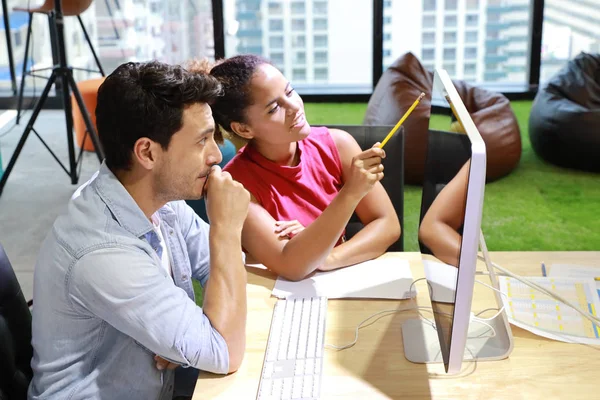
(234, 74)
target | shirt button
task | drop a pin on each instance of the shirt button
(184, 277)
(171, 232)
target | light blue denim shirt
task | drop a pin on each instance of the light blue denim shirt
(104, 306)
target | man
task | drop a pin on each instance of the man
(114, 304)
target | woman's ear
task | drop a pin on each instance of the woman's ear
(242, 130)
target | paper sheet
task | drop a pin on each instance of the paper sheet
(386, 278)
(576, 271)
(536, 312)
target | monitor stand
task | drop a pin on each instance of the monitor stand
(421, 343)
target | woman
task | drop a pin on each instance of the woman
(305, 182)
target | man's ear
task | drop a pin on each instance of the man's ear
(145, 152)
(242, 130)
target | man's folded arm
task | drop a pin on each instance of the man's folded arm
(124, 287)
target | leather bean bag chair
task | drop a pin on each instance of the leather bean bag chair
(402, 83)
(564, 125)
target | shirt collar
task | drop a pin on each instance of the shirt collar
(120, 203)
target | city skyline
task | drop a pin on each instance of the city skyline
(318, 44)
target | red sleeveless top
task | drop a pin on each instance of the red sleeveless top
(300, 192)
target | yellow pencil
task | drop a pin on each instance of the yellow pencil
(406, 114)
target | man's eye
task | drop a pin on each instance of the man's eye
(202, 142)
(289, 94)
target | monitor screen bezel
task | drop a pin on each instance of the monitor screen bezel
(472, 225)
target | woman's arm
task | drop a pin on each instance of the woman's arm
(442, 221)
(375, 210)
(296, 258)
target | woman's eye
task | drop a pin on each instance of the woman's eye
(272, 110)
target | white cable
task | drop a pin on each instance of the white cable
(479, 320)
(499, 311)
(388, 312)
(595, 320)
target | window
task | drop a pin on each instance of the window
(450, 21)
(478, 29)
(320, 7)
(429, 21)
(299, 74)
(276, 42)
(387, 37)
(450, 5)
(429, 5)
(564, 35)
(321, 57)
(470, 69)
(299, 41)
(471, 37)
(277, 58)
(387, 20)
(275, 8)
(304, 60)
(321, 74)
(300, 58)
(387, 52)
(472, 4)
(298, 7)
(450, 68)
(428, 37)
(321, 41)
(472, 20)
(17, 38)
(428, 54)
(449, 37)
(276, 25)
(470, 52)
(320, 24)
(298, 25)
(450, 54)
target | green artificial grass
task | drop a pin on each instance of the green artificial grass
(538, 206)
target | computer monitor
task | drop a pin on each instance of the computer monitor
(449, 238)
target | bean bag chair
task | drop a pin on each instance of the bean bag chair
(564, 125)
(402, 83)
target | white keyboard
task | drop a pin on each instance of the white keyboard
(294, 358)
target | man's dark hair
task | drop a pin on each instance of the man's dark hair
(147, 100)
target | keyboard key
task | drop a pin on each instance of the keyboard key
(295, 332)
(287, 328)
(304, 326)
(299, 370)
(297, 387)
(308, 386)
(316, 386)
(268, 370)
(309, 368)
(277, 387)
(287, 388)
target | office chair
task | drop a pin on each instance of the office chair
(15, 335)
(70, 8)
(393, 179)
